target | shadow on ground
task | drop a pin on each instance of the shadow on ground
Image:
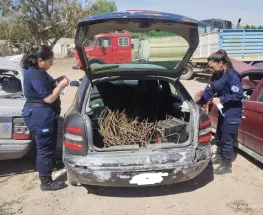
(249, 158)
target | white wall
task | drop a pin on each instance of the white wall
(62, 46)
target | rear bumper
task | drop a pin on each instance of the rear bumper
(13, 149)
(138, 169)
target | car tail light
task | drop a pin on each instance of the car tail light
(73, 146)
(74, 129)
(73, 138)
(20, 130)
(205, 133)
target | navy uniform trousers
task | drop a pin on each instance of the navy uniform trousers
(43, 124)
(225, 136)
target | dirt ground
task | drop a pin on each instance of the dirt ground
(238, 193)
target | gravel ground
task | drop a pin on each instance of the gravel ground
(238, 193)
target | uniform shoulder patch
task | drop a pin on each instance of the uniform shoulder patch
(235, 89)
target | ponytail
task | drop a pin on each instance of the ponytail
(30, 60)
(221, 55)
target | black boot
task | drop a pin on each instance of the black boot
(217, 159)
(225, 167)
(47, 184)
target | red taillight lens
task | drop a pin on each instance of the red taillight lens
(205, 124)
(20, 130)
(21, 136)
(73, 138)
(205, 139)
(74, 129)
(205, 134)
(73, 146)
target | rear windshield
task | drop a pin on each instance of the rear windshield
(155, 49)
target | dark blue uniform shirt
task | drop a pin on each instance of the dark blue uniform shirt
(38, 85)
(228, 88)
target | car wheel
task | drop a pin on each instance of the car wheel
(71, 180)
(142, 61)
(188, 72)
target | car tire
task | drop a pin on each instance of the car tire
(72, 181)
(188, 72)
(142, 62)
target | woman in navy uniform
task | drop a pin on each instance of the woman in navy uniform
(42, 110)
(225, 88)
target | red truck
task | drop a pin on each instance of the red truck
(115, 48)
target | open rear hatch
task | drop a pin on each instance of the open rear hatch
(143, 23)
(141, 92)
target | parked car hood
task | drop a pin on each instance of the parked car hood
(138, 21)
(12, 63)
(240, 66)
(6, 64)
(14, 58)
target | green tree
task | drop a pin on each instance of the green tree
(15, 32)
(247, 27)
(5, 7)
(53, 19)
(251, 27)
(102, 6)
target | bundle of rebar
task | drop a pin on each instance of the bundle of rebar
(117, 128)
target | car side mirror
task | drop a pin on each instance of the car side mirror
(74, 84)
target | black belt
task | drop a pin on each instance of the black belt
(233, 105)
(31, 104)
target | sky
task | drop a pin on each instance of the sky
(250, 11)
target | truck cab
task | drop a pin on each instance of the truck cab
(214, 25)
(115, 48)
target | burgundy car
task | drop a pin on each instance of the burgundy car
(250, 132)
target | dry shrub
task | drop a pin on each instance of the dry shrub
(117, 128)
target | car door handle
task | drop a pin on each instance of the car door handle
(243, 117)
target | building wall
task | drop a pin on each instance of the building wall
(62, 46)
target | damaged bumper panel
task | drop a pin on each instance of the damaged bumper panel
(138, 169)
(14, 149)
